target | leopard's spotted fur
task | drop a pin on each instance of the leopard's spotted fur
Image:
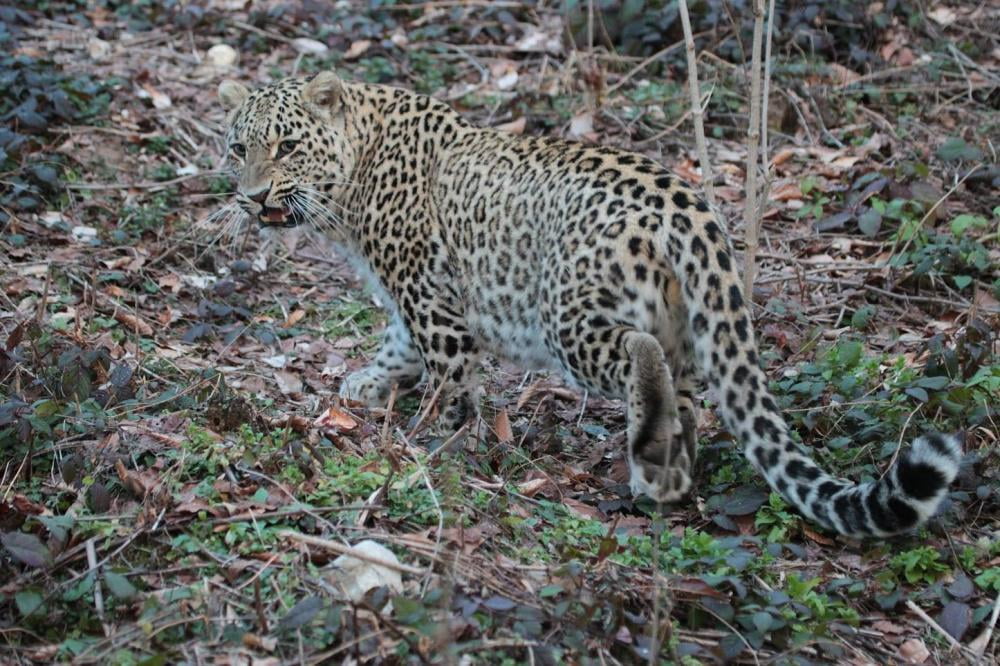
(592, 261)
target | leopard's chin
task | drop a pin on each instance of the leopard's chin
(280, 218)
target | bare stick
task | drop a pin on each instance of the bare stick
(696, 108)
(753, 212)
(353, 552)
(767, 89)
(935, 626)
(98, 594)
(982, 641)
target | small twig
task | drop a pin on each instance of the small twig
(352, 552)
(427, 411)
(980, 644)
(899, 443)
(263, 33)
(98, 592)
(934, 625)
(496, 644)
(384, 444)
(44, 300)
(259, 607)
(644, 64)
(931, 211)
(147, 185)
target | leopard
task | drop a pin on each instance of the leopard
(592, 262)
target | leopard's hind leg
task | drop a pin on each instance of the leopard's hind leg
(661, 423)
(620, 361)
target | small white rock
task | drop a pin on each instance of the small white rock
(98, 49)
(83, 234)
(355, 576)
(187, 170)
(309, 46)
(278, 361)
(581, 125)
(507, 81)
(51, 218)
(199, 281)
(222, 55)
(400, 39)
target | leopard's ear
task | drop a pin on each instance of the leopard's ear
(232, 94)
(323, 92)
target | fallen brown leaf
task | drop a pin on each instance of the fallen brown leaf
(530, 488)
(288, 382)
(335, 419)
(818, 538)
(501, 425)
(914, 651)
(294, 318)
(133, 323)
(515, 126)
(357, 49)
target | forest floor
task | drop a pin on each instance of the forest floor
(177, 475)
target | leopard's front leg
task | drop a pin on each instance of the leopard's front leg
(398, 361)
(451, 356)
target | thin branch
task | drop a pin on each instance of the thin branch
(767, 89)
(955, 645)
(753, 213)
(352, 552)
(696, 105)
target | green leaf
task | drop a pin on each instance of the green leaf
(836, 443)
(58, 526)
(933, 383)
(301, 614)
(45, 409)
(762, 621)
(39, 425)
(850, 353)
(732, 645)
(963, 222)
(28, 601)
(862, 316)
(918, 393)
(631, 9)
(408, 611)
(119, 586)
(499, 603)
(955, 149)
(26, 548)
(550, 591)
(744, 501)
(85, 585)
(962, 281)
(870, 222)
(155, 660)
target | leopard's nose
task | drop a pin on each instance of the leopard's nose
(261, 196)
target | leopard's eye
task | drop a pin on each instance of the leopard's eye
(286, 147)
(239, 149)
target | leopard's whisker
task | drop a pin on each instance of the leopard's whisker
(319, 213)
(215, 216)
(326, 198)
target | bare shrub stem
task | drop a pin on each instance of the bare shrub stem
(696, 106)
(753, 213)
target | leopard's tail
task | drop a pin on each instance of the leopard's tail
(904, 497)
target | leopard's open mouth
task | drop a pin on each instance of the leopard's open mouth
(279, 217)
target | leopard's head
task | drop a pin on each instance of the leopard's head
(290, 147)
